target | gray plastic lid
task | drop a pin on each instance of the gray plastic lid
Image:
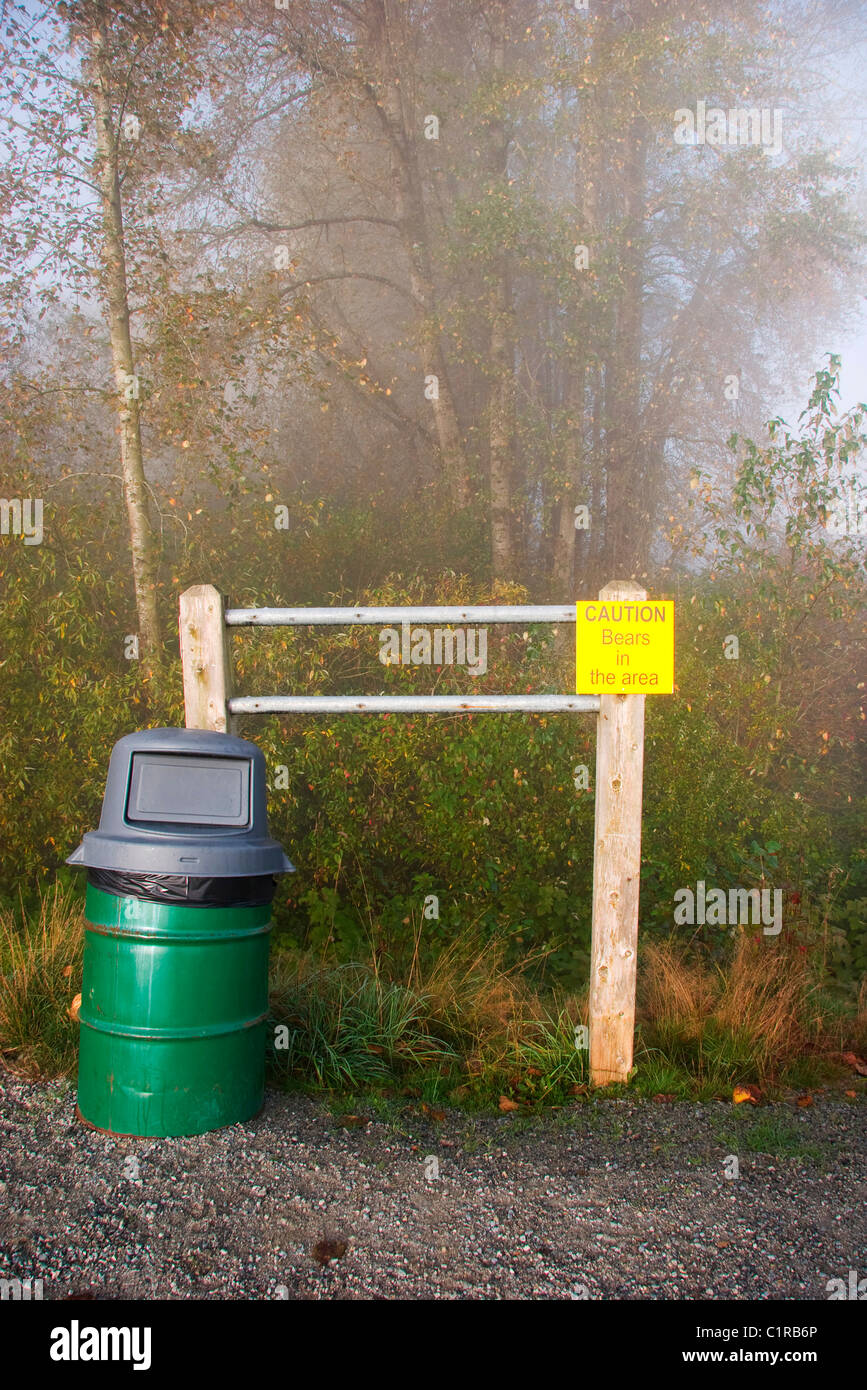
(184, 801)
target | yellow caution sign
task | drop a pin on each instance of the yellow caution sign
(625, 647)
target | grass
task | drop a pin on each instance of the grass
(760, 1019)
(40, 974)
(774, 1135)
(345, 1026)
(464, 1028)
(412, 1029)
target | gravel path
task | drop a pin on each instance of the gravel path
(611, 1199)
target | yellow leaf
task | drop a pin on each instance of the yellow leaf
(743, 1093)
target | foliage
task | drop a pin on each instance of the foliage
(481, 811)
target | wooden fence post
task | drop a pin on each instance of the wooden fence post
(616, 868)
(205, 661)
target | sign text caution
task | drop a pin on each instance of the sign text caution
(625, 648)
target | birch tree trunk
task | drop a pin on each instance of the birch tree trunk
(501, 423)
(114, 286)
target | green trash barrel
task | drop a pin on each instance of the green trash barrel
(178, 913)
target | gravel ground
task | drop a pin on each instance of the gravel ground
(611, 1199)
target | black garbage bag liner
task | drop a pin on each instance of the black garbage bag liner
(180, 888)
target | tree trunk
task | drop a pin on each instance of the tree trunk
(114, 285)
(563, 565)
(501, 408)
(587, 201)
(627, 529)
(387, 46)
(501, 429)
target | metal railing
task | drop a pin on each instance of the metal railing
(332, 617)
(405, 704)
(210, 704)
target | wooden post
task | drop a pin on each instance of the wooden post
(205, 659)
(616, 866)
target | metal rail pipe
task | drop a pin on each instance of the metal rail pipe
(412, 704)
(334, 617)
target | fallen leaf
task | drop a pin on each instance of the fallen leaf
(352, 1121)
(75, 1008)
(665, 1095)
(856, 1063)
(506, 1104)
(67, 971)
(437, 1115)
(851, 1094)
(326, 1250)
(804, 1100)
(744, 1093)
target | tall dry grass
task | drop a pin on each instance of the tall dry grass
(758, 1011)
(40, 975)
